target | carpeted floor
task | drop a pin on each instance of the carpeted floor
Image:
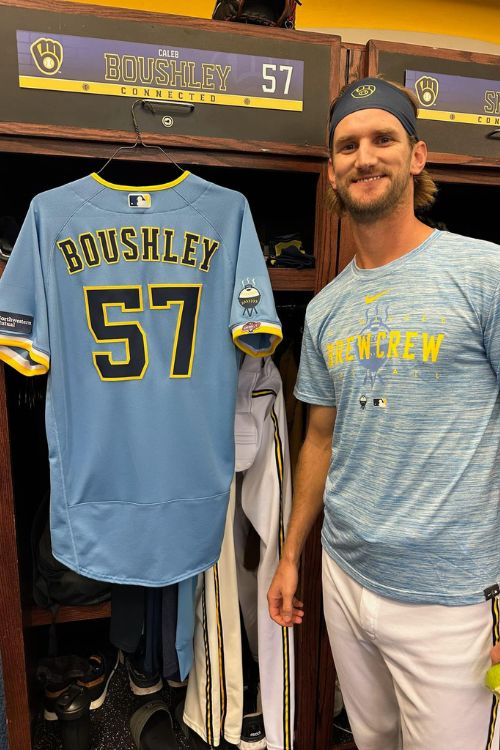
(109, 725)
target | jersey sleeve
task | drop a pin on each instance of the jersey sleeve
(314, 384)
(255, 326)
(24, 339)
(492, 334)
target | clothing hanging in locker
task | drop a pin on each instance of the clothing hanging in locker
(214, 701)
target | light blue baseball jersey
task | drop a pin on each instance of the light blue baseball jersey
(409, 354)
(133, 299)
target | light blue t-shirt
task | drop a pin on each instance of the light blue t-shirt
(409, 354)
(137, 302)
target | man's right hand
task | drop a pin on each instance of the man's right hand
(310, 477)
(284, 607)
(494, 653)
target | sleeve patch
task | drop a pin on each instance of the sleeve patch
(16, 323)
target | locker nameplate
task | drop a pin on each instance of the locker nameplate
(89, 65)
(453, 98)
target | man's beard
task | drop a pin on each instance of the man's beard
(365, 212)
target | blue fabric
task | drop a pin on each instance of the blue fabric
(153, 631)
(185, 625)
(374, 93)
(137, 310)
(409, 354)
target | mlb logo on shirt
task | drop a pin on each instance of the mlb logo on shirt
(139, 200)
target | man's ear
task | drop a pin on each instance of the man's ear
(331, 174)
(418, 158)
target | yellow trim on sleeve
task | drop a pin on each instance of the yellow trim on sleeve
(9, 355)
(239, 333)
(164, 186)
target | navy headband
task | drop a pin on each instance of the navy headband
(374, 93)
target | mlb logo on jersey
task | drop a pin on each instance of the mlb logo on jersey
(139, 200)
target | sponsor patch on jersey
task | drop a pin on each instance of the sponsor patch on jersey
(139, 200)
(16, 323)
(250, 327)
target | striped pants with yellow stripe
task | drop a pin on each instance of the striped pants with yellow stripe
(412, 676)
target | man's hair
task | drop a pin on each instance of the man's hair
(425, 188)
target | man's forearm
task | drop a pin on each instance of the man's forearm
(312, 470)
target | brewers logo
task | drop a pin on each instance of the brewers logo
(363, 91)
(427, 89)
(47, 55)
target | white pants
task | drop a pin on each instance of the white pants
(412, 676)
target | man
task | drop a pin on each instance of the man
(401, 365)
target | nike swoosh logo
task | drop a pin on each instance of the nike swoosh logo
(369, 300)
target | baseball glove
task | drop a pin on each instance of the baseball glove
(263, 12)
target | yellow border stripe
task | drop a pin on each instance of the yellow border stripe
(278, 445)
(238, 333)
(149, 188)
(159, 94)
(257, 352)
(220, 643)
(18, 364)
(443, 116)
(208, 671)
(14, 358)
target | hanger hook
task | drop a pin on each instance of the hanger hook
(138, 139)
(134, 120)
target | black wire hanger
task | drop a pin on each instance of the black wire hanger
(150, 105)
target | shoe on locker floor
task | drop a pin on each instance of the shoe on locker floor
(253, 733)
(194, 739)
(141, 683)
(93, 674)
(152, 727)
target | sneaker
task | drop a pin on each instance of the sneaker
(140, 682)
(253, 734)
(94, 678)
(176, 685)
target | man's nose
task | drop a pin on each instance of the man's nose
(366, 156)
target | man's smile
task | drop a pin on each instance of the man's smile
(371, 178)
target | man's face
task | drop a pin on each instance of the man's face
(373, 164)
